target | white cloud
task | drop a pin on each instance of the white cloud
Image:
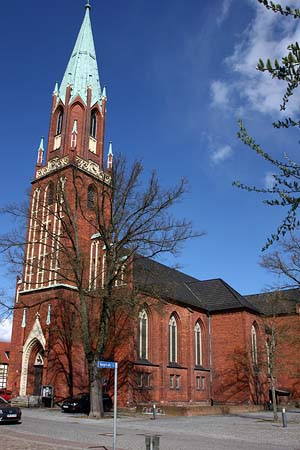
(5, 330)
(267, 36)
(269, 180)
(221, 154)
(224, 11)
(220, 93)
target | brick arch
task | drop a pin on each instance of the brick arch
(34, 343)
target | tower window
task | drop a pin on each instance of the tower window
(91, 200)
(59, 122)
(93, 129)
(50, 194)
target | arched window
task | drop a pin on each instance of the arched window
(254, 345)
(173, 340)
(93, 129)
(59, 121)
(198, 344)
(50, 198)
(91, 196)
(143, 323)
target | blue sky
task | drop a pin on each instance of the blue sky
(179, 74)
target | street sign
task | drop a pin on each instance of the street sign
(112, 365)
(106, 365)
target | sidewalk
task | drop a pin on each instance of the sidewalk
(16, 440)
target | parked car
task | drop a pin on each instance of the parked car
(81, 403)
(4, 393)
(9, 413)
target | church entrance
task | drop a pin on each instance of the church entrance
(38, 373)
(37, 385)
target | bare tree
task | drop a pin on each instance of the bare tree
(116, 220)
(284, 261)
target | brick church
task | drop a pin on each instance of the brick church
(189, 342)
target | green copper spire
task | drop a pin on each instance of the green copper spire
(82, 69)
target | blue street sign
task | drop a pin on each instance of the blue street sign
(106, 365)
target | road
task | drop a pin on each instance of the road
(51, 429)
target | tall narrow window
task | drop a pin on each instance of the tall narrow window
(93, 129)
(254, 345)
(50, 193)
(91, 199)
(269, 367)
(198, 344)
(173, 336)
(59, 121)
(143, 335)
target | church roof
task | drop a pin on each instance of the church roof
(280, 302)
(82, 68)
(163, 282)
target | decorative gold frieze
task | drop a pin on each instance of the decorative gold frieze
(93, 168)
(52, 165)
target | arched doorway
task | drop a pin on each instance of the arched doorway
(33, 361)
(38, 372)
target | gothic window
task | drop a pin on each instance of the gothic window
(59, 121)
(143, 324)
(198, 344)
(173, 340)
(50, 193)
(254, 345)
(93, 129)
(91, 199)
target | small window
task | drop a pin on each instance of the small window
(140, 380)
(143, 380)
(198, 383)
(172, 379)
(147, 380)
(177, 382)
(93, 129)
(59, 121)
(203, 383)
(91, 200)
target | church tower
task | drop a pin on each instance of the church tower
(68, 175)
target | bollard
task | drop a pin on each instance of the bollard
(152, 442)
(284, 421)
(154, 412)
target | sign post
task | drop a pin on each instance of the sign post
(112, 365)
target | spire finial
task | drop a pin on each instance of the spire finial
(88, 5)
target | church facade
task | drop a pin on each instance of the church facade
(190, 341)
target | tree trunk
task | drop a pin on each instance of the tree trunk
(274, 400)
(96, 402)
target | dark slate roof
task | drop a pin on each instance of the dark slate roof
(163, 282)
(277, 302)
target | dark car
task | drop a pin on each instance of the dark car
(9, 413)
(81, 403)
